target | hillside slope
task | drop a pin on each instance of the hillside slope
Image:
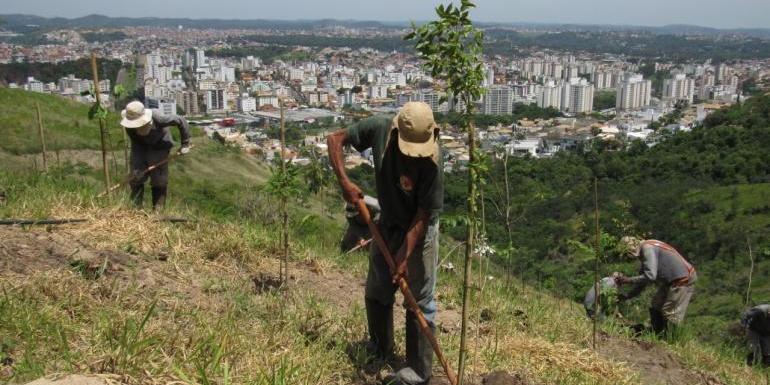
(66, 123)
(138, 299)
(704, 192)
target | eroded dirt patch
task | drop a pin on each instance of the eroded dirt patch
(653, 362)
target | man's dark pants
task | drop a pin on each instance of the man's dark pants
(140, 161)
(380, 296)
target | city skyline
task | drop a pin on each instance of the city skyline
(707, 13)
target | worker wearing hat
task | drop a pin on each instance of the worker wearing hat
(409, 180)
(151, 143)
(674, 276)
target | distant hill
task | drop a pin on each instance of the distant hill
(22, 22)
(17, 21)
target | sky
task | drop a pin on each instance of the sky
(709, 13)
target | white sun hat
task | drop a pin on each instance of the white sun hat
(135, 115)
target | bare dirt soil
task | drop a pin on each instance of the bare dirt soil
(655, 364)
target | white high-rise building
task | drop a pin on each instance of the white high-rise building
(34, 85)
(679, 87)
(250, 63)
(723, 73)
(162, 74)
(199, 60)
(550, 95)
(498, 100)
(247, 103)
(489, 76)
(166, 106)
(296, 74)
(570, 71)
(633, 93)
(577, 96)
(604, 80)
(224, 74)
(188, 100)
(215, 100)
(378, 91)
(555, 70)
(428, 97)
(267, 100)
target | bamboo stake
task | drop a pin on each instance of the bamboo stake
(468, 250)
(125, 150)
(597, 289)
(42, 137)
(751, 272)
(25, 222)
(102, 130)
(284, 209)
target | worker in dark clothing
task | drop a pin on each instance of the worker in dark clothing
(665, 267)
(757, 323)
(409, 180)
(151, 144)
(357, 233)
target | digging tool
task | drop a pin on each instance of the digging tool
(404, 286)
(359, 246)
(141, 175)
(174, 220)
(12, 222)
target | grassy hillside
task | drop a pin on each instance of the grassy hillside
(66, 123)
(142, 300)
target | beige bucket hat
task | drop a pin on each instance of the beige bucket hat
(135, 115)
(417, 131)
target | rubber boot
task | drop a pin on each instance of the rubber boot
(158, 197)
(380, 320)
(658, 322)
(765, 361)
(750, 359)
(419, 356)
(137, 195)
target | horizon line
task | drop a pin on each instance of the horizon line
(403, 21)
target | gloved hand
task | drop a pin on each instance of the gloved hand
(184, 150)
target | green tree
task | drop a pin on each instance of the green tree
(451, 48)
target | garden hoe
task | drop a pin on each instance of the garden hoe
(141, 174)
(408, 297)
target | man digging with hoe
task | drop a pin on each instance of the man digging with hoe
(151, 144)
(409, 182)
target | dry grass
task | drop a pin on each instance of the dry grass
(205, 324)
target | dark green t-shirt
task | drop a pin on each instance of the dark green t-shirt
(404, 184)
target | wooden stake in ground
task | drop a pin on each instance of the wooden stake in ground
(470, 238)
(284, 204)
(751, 273)
(102, 129)
(125, 150)
(42, 136)
(597, 289)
